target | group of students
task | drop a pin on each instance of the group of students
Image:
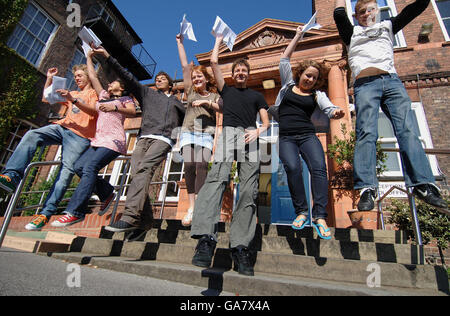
(98, 115)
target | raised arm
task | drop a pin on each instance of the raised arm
(133, 85)
(293, 44)
(215, 63)
(187, 68)
(50, 74)
(345, 27)
(93, 74)
(408, 14)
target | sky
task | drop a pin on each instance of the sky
(158, 22)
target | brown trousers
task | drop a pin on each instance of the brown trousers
(147, 156)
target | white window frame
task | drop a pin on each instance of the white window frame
(49, 40)
(441, 22)
(400, 38)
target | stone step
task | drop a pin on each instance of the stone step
(218, 280)
(34, 245)
(293, 243)
(331, 269)
(342, 234)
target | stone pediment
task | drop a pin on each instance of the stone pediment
(267, 34)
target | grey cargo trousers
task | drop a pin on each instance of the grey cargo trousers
(206, 216)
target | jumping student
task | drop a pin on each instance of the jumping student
(298, 100)
(376, 83)
(197, 132)
(162, 112)
(238, 139)
(72, 133)
(108, 144)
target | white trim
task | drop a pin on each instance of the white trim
(441, 22)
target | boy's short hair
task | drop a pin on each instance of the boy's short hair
(82, 67)
(360, 3)
(162, 73)
(240, 62)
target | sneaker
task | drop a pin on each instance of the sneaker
(120, 227)
(6, 184)
(106, 204)
(135, 235)
(241, 258)
(204, 252)
(187, 220)
(367, 200)
(429, 193)
(66, 220)
(37, 223)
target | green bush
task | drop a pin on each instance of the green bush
(433, 224)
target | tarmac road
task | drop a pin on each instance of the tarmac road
(26, 274)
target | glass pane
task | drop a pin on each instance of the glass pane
(44, 36)
(35, 28)
(26, 20)
(31, 10)
(40, 18)
(385, 128)
(23, 49)
(444, 8)
(447, 25)
(385, 14)
(381, 3)
(392, 162)
(49, 26)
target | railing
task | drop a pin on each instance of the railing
(11, 210)
(411, 199)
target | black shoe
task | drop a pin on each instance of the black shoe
(429, 193)
(241, 258)
(367, 200)
(120, 227)
(204, 252)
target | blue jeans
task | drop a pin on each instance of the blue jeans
(310, 148)
(388, 92)
(87, 168)
(72, 147)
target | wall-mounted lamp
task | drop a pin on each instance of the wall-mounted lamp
(425, 31)
(268, 84)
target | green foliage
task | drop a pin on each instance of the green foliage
(18, 92)
(433, 224)
(10, 13)
(342, 152)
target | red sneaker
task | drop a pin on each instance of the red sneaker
(67, 220)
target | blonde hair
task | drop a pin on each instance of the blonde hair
(80, 67)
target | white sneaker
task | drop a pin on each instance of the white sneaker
(187, 220)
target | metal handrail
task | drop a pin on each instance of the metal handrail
(13, 202)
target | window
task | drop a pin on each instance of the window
(387, 9)
(98, 10)
(442, 8)
(78, 59)
(32, 34)
(15, 136)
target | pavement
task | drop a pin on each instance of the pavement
(27, 274)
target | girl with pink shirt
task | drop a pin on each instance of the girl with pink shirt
(109, 143)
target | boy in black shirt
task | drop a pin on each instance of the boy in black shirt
(238, 141)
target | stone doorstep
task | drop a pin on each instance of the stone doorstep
(386, 252)
(218, 280)
(34, 245)
(335, 269)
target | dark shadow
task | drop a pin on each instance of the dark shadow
(215, 282)
(150, 251)
(386, 253)
(442, 279)
(77, 244)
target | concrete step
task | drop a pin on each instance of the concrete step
(34, 245)
(300, 243)
(341, 234)
(331, 269)
(218, 280)
(38, 241)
